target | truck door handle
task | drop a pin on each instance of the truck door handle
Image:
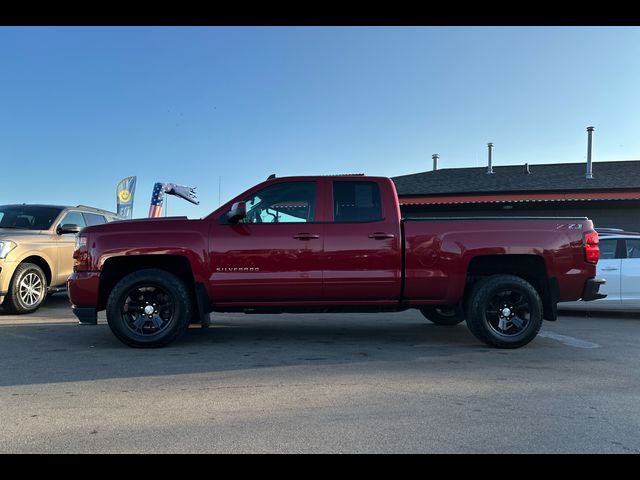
(381, 235)
(305, 236)
(609, 269)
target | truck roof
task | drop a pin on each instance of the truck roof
(337, 175)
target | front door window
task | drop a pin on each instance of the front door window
(291, 202)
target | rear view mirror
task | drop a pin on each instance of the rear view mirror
(68, 228)
(238, 212)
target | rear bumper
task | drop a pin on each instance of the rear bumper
(591, 289)
(86, 315)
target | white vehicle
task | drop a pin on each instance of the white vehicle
(619, 264)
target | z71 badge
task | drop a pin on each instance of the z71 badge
(570, 226)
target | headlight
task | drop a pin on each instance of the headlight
(5, 247)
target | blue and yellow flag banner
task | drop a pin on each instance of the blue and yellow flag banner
(124, 196)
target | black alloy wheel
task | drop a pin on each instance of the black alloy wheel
(149, 308)
(504, 311)
(508, 312)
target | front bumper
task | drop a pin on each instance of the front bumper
(83, 288)
(591, 289)
(4, 284)
(86, 315)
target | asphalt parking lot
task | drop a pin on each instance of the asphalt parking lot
(318, 383)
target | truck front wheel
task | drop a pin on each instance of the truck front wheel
(504, 311)
(149, 308)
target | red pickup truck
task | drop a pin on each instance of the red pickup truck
(331, 243)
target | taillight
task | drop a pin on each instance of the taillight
(81, 259)
(591, 248)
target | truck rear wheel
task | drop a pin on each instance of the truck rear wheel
(443, 315)
(504, 311)
(149, 308)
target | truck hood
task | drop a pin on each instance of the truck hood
(143, 225)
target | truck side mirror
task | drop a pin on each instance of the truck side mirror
(68, 228)
(238, 212)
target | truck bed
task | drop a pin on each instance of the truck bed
(440, 251)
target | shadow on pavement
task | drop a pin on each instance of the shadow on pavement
(61, 352)
(33, 351)
(59, 302)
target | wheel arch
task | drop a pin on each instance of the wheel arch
(116, 268)
(531, 268)
(42, 263)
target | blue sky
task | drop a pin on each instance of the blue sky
(83, 107)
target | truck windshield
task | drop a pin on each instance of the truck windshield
(28, 217)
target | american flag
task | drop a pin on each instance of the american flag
(155, 210)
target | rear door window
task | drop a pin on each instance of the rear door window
(356, 202)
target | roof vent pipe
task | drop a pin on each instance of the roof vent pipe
(435, 157)
(526, 169)
(589, 174)
(490, 167)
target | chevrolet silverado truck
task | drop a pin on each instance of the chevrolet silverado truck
(331, 243)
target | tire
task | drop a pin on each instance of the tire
(443, 315)
(27, 290)
(494, 305)
(149, 308)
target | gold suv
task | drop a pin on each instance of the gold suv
(36, 250)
